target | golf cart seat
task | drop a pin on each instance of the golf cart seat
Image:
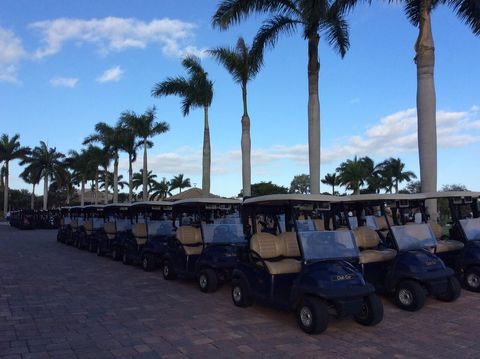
(88, 225)
(271, 249)
(139, 231)
(367, 241)
(319, 224)
(110, 230)
(74, 224)
(191, 240)
(444, 245)
(382, 225)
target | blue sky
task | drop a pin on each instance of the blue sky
(65, 66)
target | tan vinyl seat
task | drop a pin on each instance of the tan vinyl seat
(319, 224)
(367, 239)
(270, 247)
(88, 225)
(191, 240)
(382, 224)
(139, 231)
(110, 229)
(74, 224)
(444, 245)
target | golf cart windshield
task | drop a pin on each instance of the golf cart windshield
(219, 233)
(323, 245)
(471, 227)
(370, 222)
(230, 219)
(160, 228)
(98, 223)
(414, 236)
(66, 220)
(305, 225)
(123, 224)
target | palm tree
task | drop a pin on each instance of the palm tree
(97, 158)
(120, 184)
(196, 91)
(65, 181)
(10, 149)
(31, 177)
(314, 17)
(179, 182)
(83, 169)
(47, 161)
(331, 179)
(160, 190)
(128, 143)
(243, 64)
(145, 127)
(393, 170)
(110, 138)
(352, 174)
(138, 181)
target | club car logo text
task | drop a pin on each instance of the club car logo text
(340, 277)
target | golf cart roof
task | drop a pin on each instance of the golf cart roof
(206, 200)
(383, 197)
(151, 203)
(452, 194)
(278, 199)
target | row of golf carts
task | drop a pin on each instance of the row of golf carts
(318, 255)
(33, 219)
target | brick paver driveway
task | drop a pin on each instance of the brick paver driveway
(57, 301)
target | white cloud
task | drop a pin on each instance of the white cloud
(116, 34)
(394, 135)
(112, 74)
(64, 82)
(11, 52)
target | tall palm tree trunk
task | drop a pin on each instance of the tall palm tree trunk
(145, 182)
(82, 194)
(130, 179)
(32, 198)
(246, 148)
(68, 197)
(333, 189)
(206, 162)
(5, 191)
(45, 192)
(105, 200)
(95, 186)
(313, 115)
(115, 180)
(426, 108)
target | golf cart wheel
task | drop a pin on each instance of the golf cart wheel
(410, 296)
(168, 272)
(59, 237)
(115, 253)
(125, 259)
(240, 294)
(453, 292)
(372, 311)
(99, 250)
(312, 315)
(207, 280)
(471, 279)
(90, 247)
(148, 262)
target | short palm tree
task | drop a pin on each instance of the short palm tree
(48, 162)
(331, 179)
(179, 182)
(196, 91)
(120, 183)
(97, 158)
(31, 177)
(160, 190)
(351, 174)
(80, 163)
(10, 149)
(243, 64)
(138, 181)
(145, 127)
(393, 169)
(314, 17)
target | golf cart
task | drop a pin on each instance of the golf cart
(65, 230)
(76, 224)
(152, 228)
(93, 223)
(110, 240)
(460, 248)
(293, 263)
(208, 237)
(397, 249)
(23, 219)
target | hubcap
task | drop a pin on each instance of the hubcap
(165, 270)
(473, 280)
(306, 316)
(237, 294)
(405, 297)
(203, 281)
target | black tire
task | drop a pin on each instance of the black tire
(99, 250)
(453, 292)
(241, 296)
(168, 271)
(90, 247)
(115, 254)
(410, 295)
(125, 259)
(59, 237)
(471, 279)
(207, 280)
(312, 315)
(148, 262)
(372, 311)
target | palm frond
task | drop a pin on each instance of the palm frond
(171, 86)
(268, 33)
(336, 28)
(468, 11)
